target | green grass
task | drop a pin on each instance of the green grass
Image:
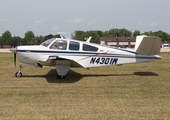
(132, 91)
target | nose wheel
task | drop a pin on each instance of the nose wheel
(19, 74)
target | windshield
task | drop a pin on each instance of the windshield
(59, 45)
(47, 42)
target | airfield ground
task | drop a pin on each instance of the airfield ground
(132, 91)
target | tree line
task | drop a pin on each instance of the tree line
(80, 35)
(31, 39)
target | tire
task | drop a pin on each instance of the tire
(18, 74)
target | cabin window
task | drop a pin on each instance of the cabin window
(59, 45)
(74, 45)
(89, 48)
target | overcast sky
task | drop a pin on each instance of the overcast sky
(45, 17)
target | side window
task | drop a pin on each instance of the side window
(74, 45)
(59, 45)
(89, 48)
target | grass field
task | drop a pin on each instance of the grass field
(132, 91)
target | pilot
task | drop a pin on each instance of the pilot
(53, 47)
(63, 47)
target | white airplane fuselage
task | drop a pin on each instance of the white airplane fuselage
(103, 57)
(77, 54)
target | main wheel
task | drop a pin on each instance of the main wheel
(18, 74)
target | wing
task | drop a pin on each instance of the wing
(59, 60)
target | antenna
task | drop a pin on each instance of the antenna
(60, 33)
(88, 40)
(124, 30)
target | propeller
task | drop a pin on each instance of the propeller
(14, 54)
(14, 50)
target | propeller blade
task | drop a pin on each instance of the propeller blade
(15, 51)
(15, 59)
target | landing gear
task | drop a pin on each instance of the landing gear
(19, 74)
(62, 69)
(61, 76)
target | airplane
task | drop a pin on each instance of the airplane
(65, 53)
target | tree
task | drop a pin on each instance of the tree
(124, 33)
(39, 40)
(6, 38)
(94, 34)
(165, 36)
(136, 33)
(100, 33)
(78, 35)
(29, 38)
(108, 34)
(15, 41)
(118, 33)
(57, 36)
(113, 33)
(149, 33)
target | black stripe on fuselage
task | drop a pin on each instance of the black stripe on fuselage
(70, 53)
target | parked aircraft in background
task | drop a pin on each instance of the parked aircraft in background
(65, 53)
(165, 46)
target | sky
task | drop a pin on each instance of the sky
(45, 17)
